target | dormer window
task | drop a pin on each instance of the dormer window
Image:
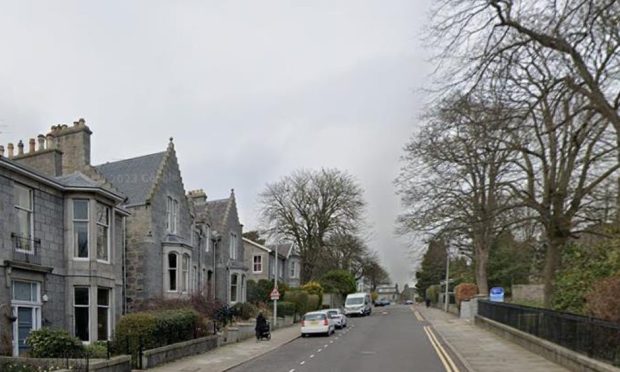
(172, 212)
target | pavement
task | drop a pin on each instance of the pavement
(473, 348)
(231, 355)
(480, 350)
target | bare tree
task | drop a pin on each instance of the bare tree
(309, 207)
(452, 181)
(565, 153)
(577, 41)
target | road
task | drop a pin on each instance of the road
(393, 338)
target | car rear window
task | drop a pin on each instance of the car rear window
(314, 316)
(333, 312)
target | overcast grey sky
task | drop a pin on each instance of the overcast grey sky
(250, 90)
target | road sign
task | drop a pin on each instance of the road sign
(496, 294)
(275, 295)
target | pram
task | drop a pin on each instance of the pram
(263, 332)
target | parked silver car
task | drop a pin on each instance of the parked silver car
(337, 315)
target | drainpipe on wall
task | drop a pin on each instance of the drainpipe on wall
(124, 266)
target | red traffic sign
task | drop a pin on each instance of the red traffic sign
(275, 295)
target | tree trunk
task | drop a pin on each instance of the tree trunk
(482, 261)
(552, 263)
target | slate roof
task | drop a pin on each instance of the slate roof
(77, 179)
(133, 177)
(218, 210)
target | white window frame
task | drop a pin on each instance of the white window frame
(108, 308)
(35, 306)
(259, 263)
(107, 227)
(232, 249)
(293, 271)
(87, 306)
(172, 212)
(73, 222)
(176, 272)
(236, 288)
(30, 212)
(185, 267)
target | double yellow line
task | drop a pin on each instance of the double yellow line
(447, 362)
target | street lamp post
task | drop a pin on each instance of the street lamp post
(446, 297)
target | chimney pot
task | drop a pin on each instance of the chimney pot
(20, 148)
(32, 146)
(41, 139)
(10, 148)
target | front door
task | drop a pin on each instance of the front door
(25, 323)
(26, 306)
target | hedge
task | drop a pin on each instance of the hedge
(245, 310)
(313, 302)
(54, 343)
(299, 298)
(154, 329)
(286, 308)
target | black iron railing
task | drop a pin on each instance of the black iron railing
(26, 249)
(594, 337)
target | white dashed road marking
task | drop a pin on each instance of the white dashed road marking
(311, 356)
(302, 363)
(292, 370)
(318, 351)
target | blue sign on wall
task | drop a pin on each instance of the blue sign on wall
(496, 294)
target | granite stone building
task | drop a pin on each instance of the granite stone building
(166, 254)
(261, 261)
(82, 244)
(61, 236)
(230, 269)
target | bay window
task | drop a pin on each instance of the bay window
(80, 228)
(103, 232)
(172, 272)
(81, 302)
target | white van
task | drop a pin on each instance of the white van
(357, 304)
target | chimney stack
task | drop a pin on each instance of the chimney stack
(74, 144)
(32, 146)
(49, 141)
(10, 148)
(1, 151)
(20, 148)
(41, 140)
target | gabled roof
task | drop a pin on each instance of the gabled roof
(252, 242)
(218, 210)
(135, 177)
(282, 248)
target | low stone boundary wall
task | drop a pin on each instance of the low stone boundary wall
(166, 354)
(116, 364)
(555, 353)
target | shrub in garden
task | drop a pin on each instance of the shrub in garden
(314, 288)
(154, 329)
(97, 350)
(313, 302)
(432, 292)
(245, 310)
(286, 308)
(465, 292)
(602, 301)
(299, 298)
(53, 343)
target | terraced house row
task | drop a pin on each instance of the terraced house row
(82, 244)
